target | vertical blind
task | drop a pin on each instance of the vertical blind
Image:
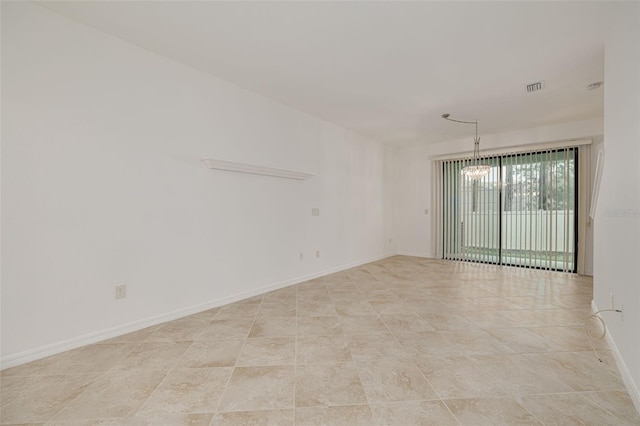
(523, 213)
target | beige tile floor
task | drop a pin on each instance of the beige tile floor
(401, 341)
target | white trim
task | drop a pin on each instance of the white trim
(515, 149)
(596, 185)
(234, 166)
(19, 358)
(631, 386)
(584, 184)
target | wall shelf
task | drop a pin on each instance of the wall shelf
(234, 166)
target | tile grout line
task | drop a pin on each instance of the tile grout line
(97, 379)
(233, 369)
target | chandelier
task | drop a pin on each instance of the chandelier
(475, 170)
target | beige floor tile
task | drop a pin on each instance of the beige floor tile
(96, 358)
(427, 344)
(339, 284)
(314, 296)
(490, 411)
(371, 294)
(353, 308)
(447, 321)
(154, 355)
(529, 318)
(211, 353)
(581, 371)
(569, 339)
(371, 287)
(182, 329)
(523, 340)
(116, 394)
(238, 310)
(418, 413)
(203, 419)
(328, 384)
(268, 351)
(322, 349)
(400, 324)
(617, 403)
(273, 327)
(371, 347)
(531, 302)
(568, 317)
(487, 303)
(475, 342)
(459, 377)
(38, 398)
(316, 309)
(346, 294)
(164, 419)
(319, 326)
(187, 391)
(515, 374)
(11, 387)
(572, 409)
(314, 284)
(350, 415)
(366, 324)
(490, 319)
(389, 307)
(255, 418)
(569, 301)
(277, 310)
(388, 381)
(359, 273)
(259, 388)
(284, 295)
(226, 329)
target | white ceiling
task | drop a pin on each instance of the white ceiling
(387, 70)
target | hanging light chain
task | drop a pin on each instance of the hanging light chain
(475, 170)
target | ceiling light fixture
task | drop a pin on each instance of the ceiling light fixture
(475, 170)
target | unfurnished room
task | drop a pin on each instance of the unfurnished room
(320, 213)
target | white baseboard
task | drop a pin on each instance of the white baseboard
(23, 357)
(415, 254)
(631, 386)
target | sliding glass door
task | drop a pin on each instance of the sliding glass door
(522, 213)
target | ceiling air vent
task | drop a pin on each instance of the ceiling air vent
(534, 87)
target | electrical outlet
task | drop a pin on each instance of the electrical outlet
(426, 211)
(318, 254)
(315, 211)
(121, 291)
(301, 255)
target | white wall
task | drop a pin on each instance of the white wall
(102, 185)
(617, 223)
(413, 194)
